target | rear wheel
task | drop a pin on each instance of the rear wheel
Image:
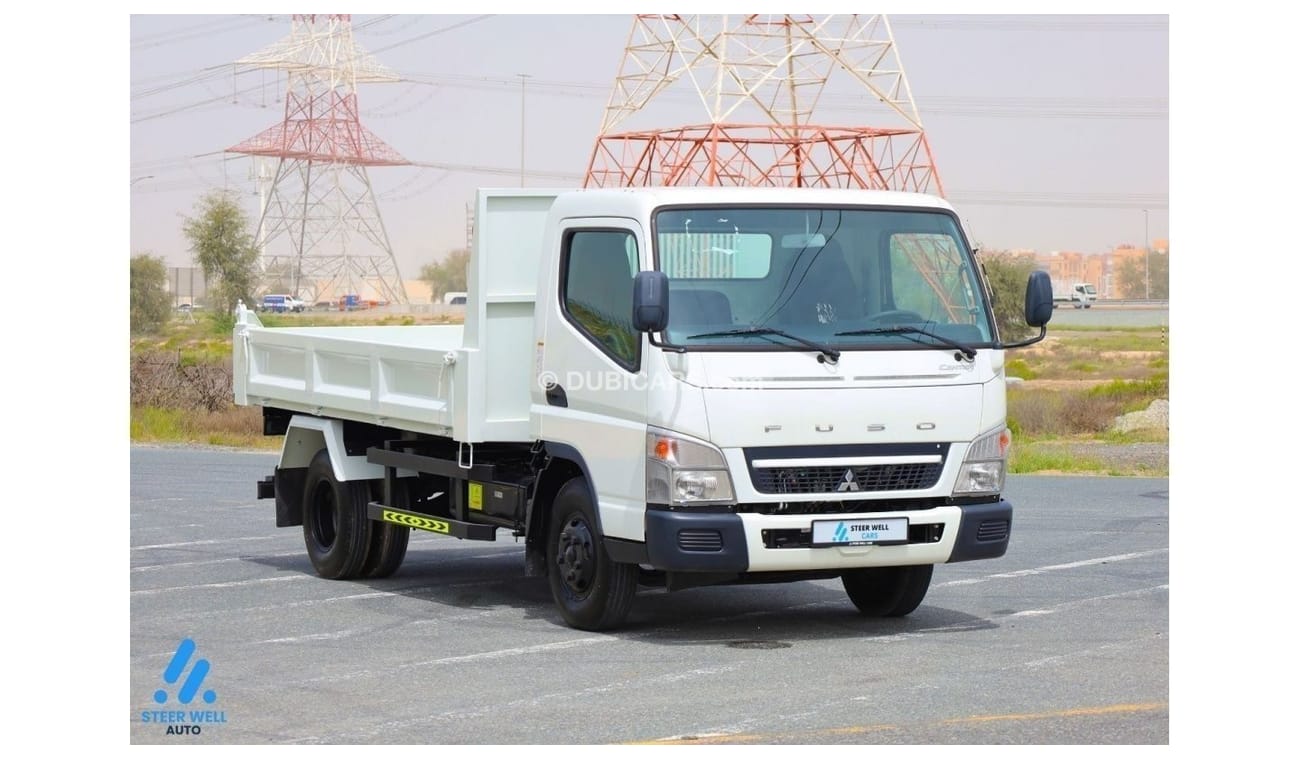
(334, 522)
(388, 541)
(592, 591)
(887, 591)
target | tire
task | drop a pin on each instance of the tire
(388, 541)
(593, 592)
(887, 591)
(334, 522)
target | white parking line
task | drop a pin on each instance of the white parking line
(496, 654)
(564, 697)
(170, 565)
(1030, 613)
(1052, 568)
(1077, 602)
(205, 542)
(317, 636)
(224, 584)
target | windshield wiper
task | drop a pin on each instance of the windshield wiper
(824, 352)
(907, 329)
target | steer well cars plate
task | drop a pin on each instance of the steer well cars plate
(859, 531)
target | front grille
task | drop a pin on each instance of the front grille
(993, 530)
(880, 477)
(835, 507)
(696, 540)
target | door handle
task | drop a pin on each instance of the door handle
(555, 395)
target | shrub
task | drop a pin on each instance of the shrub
(1007, 275)
(150, 304)
(1021, 369)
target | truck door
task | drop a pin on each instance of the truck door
(590, 358)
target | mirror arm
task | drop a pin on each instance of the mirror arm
(665, 346)
(1031, 341)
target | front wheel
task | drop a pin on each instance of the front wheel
(887, 591)
(593, 592)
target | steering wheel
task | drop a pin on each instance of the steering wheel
(896, 316)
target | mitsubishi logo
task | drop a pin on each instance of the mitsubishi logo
(849, 483)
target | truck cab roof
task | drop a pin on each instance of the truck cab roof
(635, 201)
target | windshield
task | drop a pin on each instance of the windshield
(817, 274)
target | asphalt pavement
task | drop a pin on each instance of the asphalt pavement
(1062, 641)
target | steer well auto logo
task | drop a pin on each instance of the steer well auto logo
(179, 689)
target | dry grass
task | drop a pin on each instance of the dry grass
(238, 426)
(1039, 412)
(1076, 384)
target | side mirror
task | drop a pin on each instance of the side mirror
(1038, 299)
(650, 302)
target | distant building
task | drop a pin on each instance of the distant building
(418, 291)
(1072, 266)
(186, 285)
(1099, 269)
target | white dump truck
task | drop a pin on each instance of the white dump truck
(665, 387)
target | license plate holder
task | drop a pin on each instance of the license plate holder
(860, 531)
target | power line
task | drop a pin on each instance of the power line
(435, 32)
(1150, 108)
(993, 106)
(201, 30)
(192, 78)
(1033, 23)
(1047, 199)
(364, 26)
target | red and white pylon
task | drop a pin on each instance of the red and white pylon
(757, 80)
(320, 229)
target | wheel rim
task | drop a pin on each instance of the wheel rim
(576, 557)
(324, 519)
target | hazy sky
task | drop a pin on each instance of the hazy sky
(1049, 132)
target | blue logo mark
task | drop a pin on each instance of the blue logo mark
(841, 533)
(172, 674)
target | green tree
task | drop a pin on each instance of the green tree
(1007, 275)
(150, 304)
(448, 275)
(1132, 276)
(223, 247)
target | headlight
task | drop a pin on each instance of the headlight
(984, 470)
(684, 472)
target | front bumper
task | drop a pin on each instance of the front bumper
(724, 542)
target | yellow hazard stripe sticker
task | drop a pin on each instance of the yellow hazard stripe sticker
(415, 521)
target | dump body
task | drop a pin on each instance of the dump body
(467, 382)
